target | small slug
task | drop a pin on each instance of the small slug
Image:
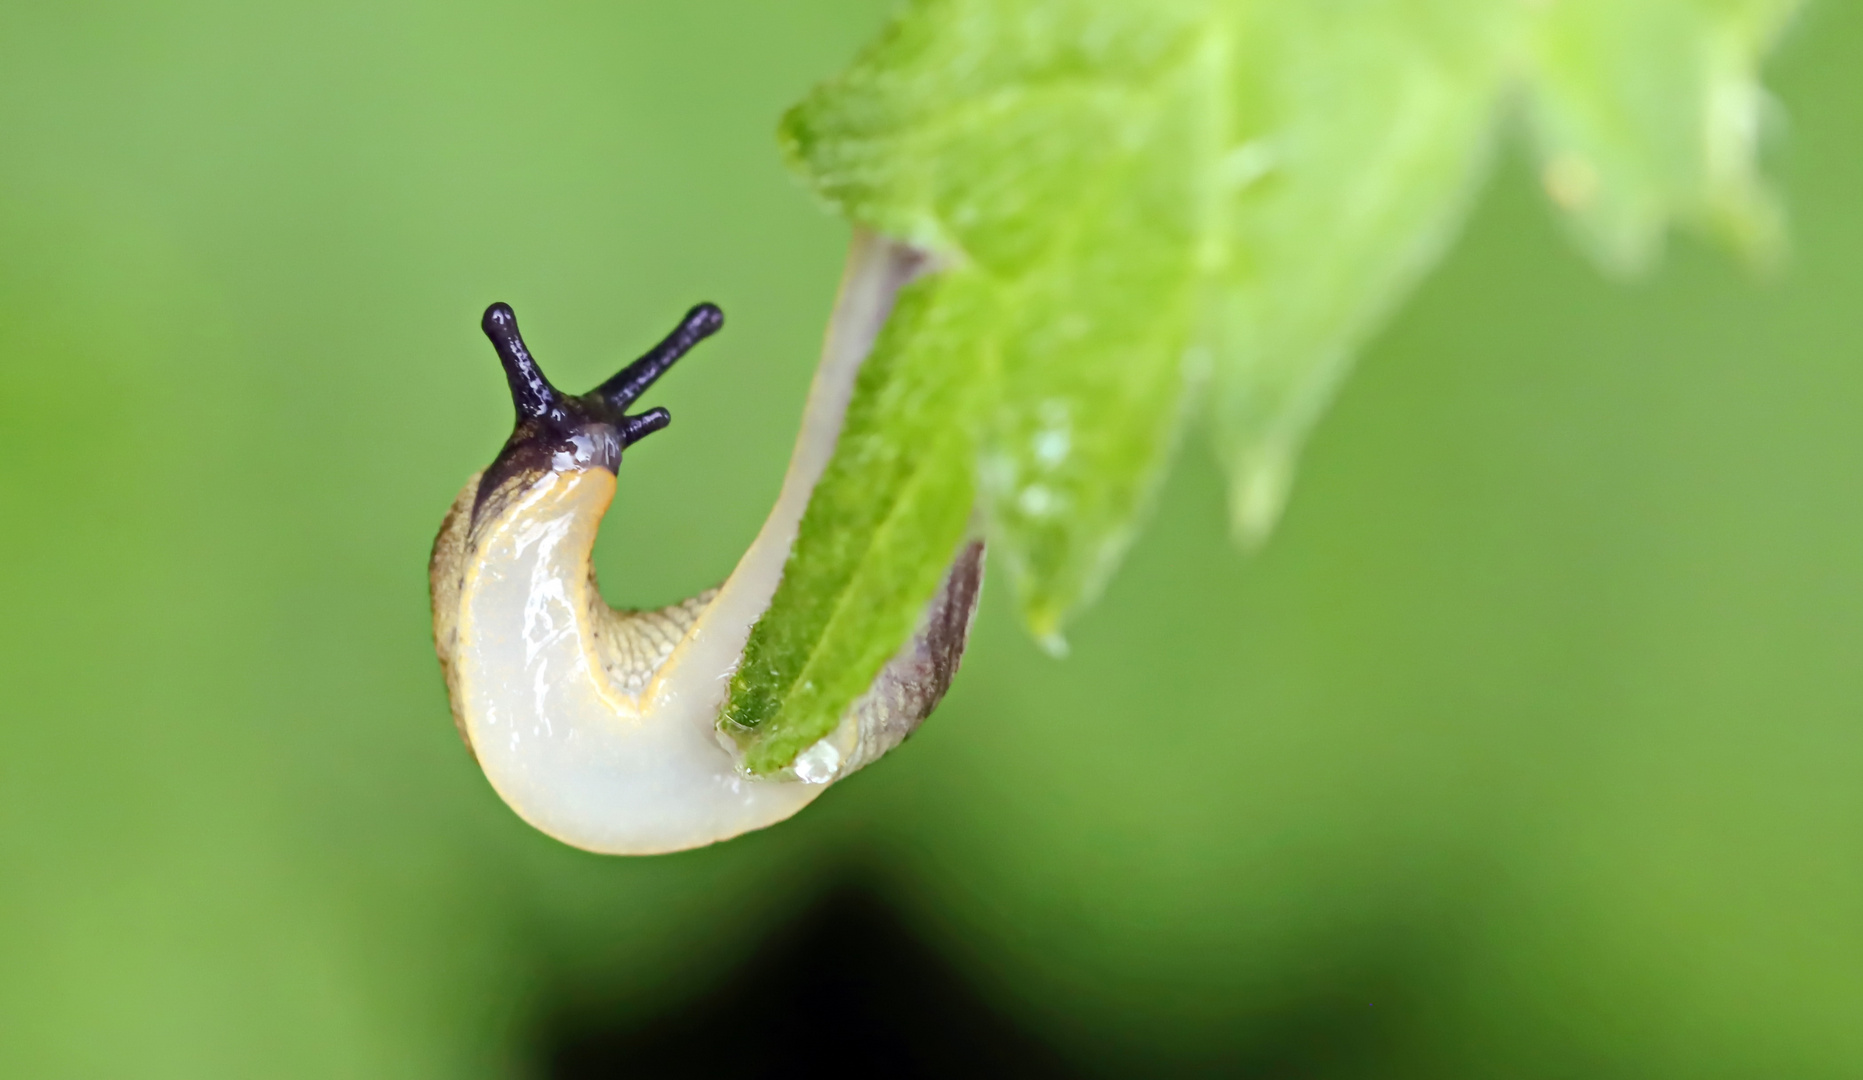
(597, 725)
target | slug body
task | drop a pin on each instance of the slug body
(600, 726)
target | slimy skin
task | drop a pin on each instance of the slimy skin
(599, 726)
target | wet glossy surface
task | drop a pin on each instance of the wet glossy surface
(581, 761)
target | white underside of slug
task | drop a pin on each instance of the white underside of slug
(636, 765)
(574, 755)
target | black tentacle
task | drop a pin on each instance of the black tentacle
(632, 381)
(556, 430)
(635, 428)
(531, 393)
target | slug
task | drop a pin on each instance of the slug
(599, 726)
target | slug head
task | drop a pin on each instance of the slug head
(559, 432)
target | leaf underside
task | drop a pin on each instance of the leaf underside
(1153, 209)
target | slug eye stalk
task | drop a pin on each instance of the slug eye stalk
(633, 380)
(591, 429)
(599, 725)
(535, 398)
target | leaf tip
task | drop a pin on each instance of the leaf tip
(1044, 620)
(1257, 495)
(1753, 224)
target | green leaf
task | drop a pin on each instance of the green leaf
(1649, 112)
(1360, 130)
(1085, 243)
(885, 521)
(1150, 209)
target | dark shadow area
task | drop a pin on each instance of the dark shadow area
(882, 1002)
(846, 989)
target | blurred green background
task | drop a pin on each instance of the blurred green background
(1529, 747)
